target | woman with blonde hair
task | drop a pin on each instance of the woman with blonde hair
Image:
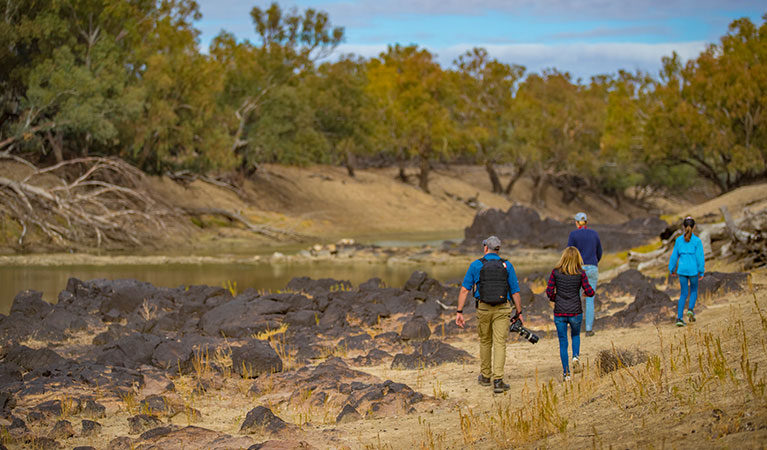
(564, 289)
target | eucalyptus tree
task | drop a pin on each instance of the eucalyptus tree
(267, 73)
(412, 101)
(711, 113)
(485, 89)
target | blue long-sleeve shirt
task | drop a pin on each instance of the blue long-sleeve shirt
(687, 257)
(472, 276)
(587, 242)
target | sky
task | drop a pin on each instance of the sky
(582, 37)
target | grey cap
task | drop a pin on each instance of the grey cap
(492, 243)
(581, 217)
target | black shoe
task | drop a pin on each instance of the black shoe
(484, 381)
(590, 333)
(499, 386)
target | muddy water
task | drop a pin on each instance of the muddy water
(52, 279)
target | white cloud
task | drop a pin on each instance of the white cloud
(581, 60)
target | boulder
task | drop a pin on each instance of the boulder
(302, 318)
(415, 281)
(236, 318)
(30, 304)
(417, 328)
(142, 422)
(90, 428)
(30, 359)
(255, 358)
(430, 353)
(348, 414)
(261, 419)
(173, 355)
(62, 430)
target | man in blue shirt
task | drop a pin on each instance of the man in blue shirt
(587, 242)
(494, 282)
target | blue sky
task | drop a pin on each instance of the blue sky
(583, 37)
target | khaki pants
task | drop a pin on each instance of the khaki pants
(493, 328)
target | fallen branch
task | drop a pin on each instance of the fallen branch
(265, 230)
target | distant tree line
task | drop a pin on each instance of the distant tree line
(127, 79)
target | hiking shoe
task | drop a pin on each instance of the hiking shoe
(590, 333)
(577, 365)
(566, 378)
(499, 386)
(484, 381)
(680, 322)
(690, 316)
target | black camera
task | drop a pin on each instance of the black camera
(516, 327)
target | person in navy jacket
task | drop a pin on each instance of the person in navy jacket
(587, 242)
(688, 262)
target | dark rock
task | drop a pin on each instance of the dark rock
(90, 428)
(156, 405)
(120, 443)
(142, 422)
(156, 432)
(236, 318)
(430, 353)
(348, 414)
(111, 335)
(448, 328)
(51, 408)
(316, 287)
(373, 358)
(303, 318)
(173, 355)
(389, 337)
(255, 358)
(35, 417)
(93, 409)
(261, 419)
(720, 283)
(358, 342)
(416, 279)
(30, 304)
(30, 359)
(7, 402)
(126, 296)
(44, 443)
(62, 430)
(416, 329)
(371, 285)
(131, 351)
(84, 447)
(429, 310)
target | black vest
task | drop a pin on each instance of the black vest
(568, 298)
(493, 281)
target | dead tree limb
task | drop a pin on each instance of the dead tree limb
(265, 230)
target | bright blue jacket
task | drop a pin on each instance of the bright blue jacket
(689, 255)
(472, 276)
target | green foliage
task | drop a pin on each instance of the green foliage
(112, 77)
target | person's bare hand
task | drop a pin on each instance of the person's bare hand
(459, 320)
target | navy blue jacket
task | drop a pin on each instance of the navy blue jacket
(587, 242)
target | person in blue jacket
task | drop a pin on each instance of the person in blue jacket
(688, 262)
(587, 242)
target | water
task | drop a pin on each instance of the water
(53, 279)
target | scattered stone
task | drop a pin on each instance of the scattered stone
(93, 409)
(415, 329)
(262, 419)
(142, 422)
(430, 353)
(373, 358)
(120, 443)
(30, 359)
(90, 428)
(283, 445)
(156, 432)
(44, 443)
(255, 358)
(30, 303)
(62, 430)
(194, 437)
(156, 405)
(348, 414)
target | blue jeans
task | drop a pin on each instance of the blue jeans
(685, 282)
(561, 323)
(592, 273)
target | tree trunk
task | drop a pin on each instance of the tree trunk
(423, 176)
(494, 181)
(351, 163)
(539, 189)
(57, 142)
(401, 174)
(514, 178)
